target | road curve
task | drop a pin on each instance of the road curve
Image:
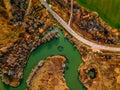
(73, 33)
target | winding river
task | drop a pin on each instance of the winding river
(59, 46)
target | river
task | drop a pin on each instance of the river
(59, 46)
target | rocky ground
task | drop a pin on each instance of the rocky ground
(48, 75)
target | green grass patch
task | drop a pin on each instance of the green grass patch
(108, 10)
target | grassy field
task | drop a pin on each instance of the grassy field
(109, 10)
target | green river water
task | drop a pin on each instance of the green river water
(59, 46)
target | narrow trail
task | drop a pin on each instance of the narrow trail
(71, 13)
(28, 8)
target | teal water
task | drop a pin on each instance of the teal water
(59, 46)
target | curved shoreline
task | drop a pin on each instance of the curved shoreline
(52, 78)
(18, 58)
(33, 73)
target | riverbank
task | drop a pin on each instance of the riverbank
(99, 68)
(52, 78)
(13, 57)
(19, 59)
(36, 24)
(52, 48)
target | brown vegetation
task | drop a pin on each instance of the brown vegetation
(20, 35)
(85, 23)
(48, 75)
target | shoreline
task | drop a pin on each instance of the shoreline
(102, 62)
(107, 61)
(13, 58)
(55, 74)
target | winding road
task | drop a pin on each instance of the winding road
(93, 45)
